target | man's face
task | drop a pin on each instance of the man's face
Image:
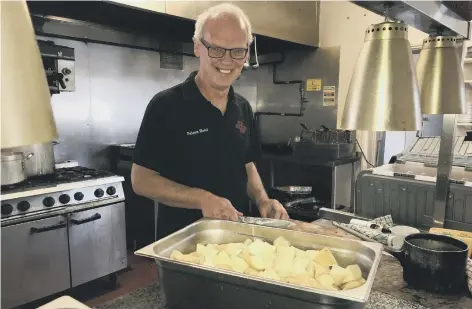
(217, 66)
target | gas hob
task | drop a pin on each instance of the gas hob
(67, 187)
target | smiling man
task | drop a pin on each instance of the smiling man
(197, 146)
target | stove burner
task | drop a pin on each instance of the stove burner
(60, 176)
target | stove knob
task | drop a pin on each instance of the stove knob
(99, 193)
(23, 206)
(7, 209)
(64, 198)
(49, 201)
(111, 190)
(78, 196)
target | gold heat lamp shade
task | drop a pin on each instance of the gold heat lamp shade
(440, 77)
(383, 94)
(26, 115)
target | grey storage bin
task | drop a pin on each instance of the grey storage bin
(410, 201)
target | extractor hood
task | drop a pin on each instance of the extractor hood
(426, 16)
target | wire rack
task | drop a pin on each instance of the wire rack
(426, 150)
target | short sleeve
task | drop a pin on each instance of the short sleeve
(150, 151)
(254, 153)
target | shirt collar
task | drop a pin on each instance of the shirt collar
(192, 92)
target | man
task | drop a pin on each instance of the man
(197, 144)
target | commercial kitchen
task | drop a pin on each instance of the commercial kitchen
(364, 115)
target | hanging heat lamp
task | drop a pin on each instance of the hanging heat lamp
(383, 93)
(440, 77)
(26, 111)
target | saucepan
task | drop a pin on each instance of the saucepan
(434, 263)
(13, 167)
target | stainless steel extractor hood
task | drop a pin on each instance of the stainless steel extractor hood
(426, 16)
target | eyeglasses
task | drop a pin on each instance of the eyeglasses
(220, 52)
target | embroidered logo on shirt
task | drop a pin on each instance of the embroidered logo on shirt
(197, 131)
(241, 127)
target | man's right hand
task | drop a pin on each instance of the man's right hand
(216, 207)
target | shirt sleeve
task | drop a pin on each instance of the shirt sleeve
(150, 147)
(254, 153)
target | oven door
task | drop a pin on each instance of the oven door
(35, 260)
(97, 239)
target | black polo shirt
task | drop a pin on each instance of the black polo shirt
(188, 140)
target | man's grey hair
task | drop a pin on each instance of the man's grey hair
(219, 11)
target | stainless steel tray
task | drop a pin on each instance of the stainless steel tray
(196, 286)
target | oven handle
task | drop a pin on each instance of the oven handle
(92, 218)
(60, 225)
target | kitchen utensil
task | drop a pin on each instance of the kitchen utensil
(43, 161)
(403, 230)
(185, 285)
(395, 242)
(338, 216)
(435, 263)
(266, 222)
(309, 201)
(13, 167)
(349, 218)
(294, 190)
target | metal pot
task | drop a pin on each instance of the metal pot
(13, 167)
(435, 263)
(43, 162)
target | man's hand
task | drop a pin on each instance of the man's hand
(272, 209)
(216, 207)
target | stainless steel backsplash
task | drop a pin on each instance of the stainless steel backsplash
(114, 86)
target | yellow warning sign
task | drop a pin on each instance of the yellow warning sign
(313, 84)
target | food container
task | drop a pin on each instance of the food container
(196, 286)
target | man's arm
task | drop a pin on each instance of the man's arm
(255, 188)
(268, 208)
(150, 184)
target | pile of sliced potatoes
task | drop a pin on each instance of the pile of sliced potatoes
(280, 261)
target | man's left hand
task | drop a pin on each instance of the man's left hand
(272, 209)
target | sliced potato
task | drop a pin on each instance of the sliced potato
(254, 261)
(256, 247)
(223, 260)
(320, 270)
(238, 264)
(251, 271)
(312, 254)
(353, 273)
(283, 265)
(234, 248)
(177, 255)
(247, 242)
(338, 273)
(281, 242)
(353, 284)
(304, 281)
(300, 266)
(280, 261)
(301, 254)
(325, 258)
(289, 252)
(268, 259)
(269, 273)
(327, 281)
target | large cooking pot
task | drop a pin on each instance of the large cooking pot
(434, 263)
(13, 167)
(43, 161)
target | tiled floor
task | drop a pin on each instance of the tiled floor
(140, 273)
